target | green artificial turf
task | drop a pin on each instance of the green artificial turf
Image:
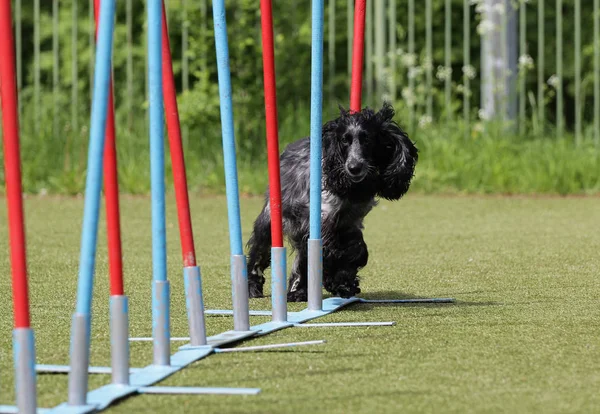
(523, 335)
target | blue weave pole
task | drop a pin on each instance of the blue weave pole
(315, 246)
(160, 286)
(80, 333)
(239, 275)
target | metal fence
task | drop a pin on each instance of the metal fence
(413, 56)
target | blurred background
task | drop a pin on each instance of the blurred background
(501, 96)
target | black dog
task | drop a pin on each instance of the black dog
(365, 155)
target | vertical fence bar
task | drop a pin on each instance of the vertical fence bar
(504, 94)
(19, 51)
(349, 22)
(379, 48)
(185, 79)
(560, 120)
(522, 69)
(55, 69)
(467, 66)
(36, 63)
(429, 57)
(392, 50)
(489, 59)
(369, 54)
(448, 58)
(411, 52)
(540, 66)
(597, 71)
(204, 14)
(578, 72)
(129, 79)
(74, 70)
(331, 49)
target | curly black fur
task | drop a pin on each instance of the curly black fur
(365, 155)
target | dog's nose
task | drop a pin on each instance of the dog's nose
(355, 167)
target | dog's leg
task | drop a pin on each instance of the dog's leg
(298, 284)
(345, 255)
(259, 256)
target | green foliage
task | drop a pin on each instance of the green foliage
(493, 159)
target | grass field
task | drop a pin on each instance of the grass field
(523, 335)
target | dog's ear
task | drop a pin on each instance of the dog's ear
(396, 155)
(343, 111)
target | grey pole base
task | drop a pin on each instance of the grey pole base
(315, 275)
(161, 322)
(119, 339)
(239, 281)
(195, 305)
(80, 359)
(24, 356)
(278, 284)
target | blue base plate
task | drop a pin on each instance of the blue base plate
(142, 378)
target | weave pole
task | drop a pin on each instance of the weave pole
(315, 244)
(80, 331)
(358, 54)
(160, 286)
(278, 252)
(239, 272)
(191, 271)
(23, 339)
(119, 314)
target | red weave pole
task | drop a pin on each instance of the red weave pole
(12, 168)
(358, 51)
(177, 160)
(266, 18)
(111, 191)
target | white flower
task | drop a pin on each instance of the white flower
(525, 62)
(408, 96)
(485, 27)
(484, 116)
(408, 60)
(481, 8)
(425, 121)
(415, 72)
(478, 127)
(554, 81)
(444, 73)
(469, 71)
(400, 51)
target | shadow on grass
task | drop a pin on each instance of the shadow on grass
(392, 294)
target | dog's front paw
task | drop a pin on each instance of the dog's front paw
(344, 284)
(347, 291)
(298, 295)
(255, 290)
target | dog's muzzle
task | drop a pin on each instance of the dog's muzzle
(356, 170)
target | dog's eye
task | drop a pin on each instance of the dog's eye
(346, 139)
